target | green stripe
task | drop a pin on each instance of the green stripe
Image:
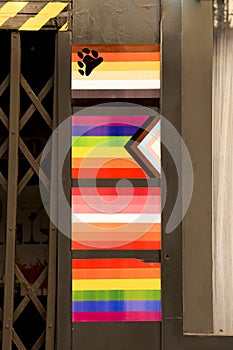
(116, 295)
(104, 141)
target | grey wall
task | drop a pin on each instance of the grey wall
(116, 21)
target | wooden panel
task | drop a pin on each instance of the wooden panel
(173, 336)
(63, 334)
(196, 132)
(52, 266)
(222, 181)
(113, 336)
(12, 191)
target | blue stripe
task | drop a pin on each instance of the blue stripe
(116, 305)
(104, 130)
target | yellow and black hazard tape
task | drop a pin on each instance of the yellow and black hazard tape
(34, 16)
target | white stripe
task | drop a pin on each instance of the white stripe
(115, 84)
(117, 218)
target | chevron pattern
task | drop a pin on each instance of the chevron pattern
(145, 147)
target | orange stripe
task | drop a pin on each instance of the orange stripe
(125, 56)
(103, 163)
(95, 227)
(95, 236)
(130, 56)
(115, 273)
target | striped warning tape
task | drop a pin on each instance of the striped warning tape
(34, 16)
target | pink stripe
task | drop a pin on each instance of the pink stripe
(101, 120)
(116, 316)
(112, 208)
(109, 200)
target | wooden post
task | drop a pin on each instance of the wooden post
(12, 191)
(52, 265)
(63, 335)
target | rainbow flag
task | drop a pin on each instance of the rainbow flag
(98, 147)
(120, 71)
(116, 219)
(115, 290)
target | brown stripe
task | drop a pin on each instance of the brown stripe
(118, 48)
(146, 93)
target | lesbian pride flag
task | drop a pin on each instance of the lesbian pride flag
(116, 219)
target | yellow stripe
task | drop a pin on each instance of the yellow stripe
(129, 66)
(117, 284)
(118, 75)
(51, 10)
(99, 152)
(10, 9)
(64, 27)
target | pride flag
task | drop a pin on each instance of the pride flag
(98, 147)
(115, 290)
(116, 219)
(126, 71)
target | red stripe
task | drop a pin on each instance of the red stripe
(138, 245)
(116, 316)
(112, 191)
(112, 263)
(106, 173)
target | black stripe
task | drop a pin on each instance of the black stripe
(146, 256)
(114, 182)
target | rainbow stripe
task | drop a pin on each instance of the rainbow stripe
(115, 290)
(98, 147)
(122, 219)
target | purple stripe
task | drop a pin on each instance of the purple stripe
(154, 316)
(104, 130)
(116, 305)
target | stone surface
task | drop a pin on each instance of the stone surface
(116, 21)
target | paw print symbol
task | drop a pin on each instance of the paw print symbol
(89, 61)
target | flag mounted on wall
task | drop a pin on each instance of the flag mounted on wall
(111, 71)
(115, 290)
(112, 148)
